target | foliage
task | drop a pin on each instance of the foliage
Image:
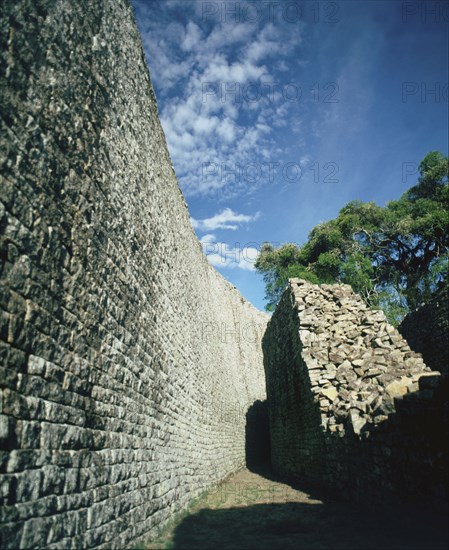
(395, 256)
(278, 265)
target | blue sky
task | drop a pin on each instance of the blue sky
(278, 113)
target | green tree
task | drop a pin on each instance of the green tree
(394, 256)
(277, 265)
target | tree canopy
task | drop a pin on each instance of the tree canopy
(394, 256)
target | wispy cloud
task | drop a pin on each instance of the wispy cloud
(226, 219)
(223, 255)
(218, 98)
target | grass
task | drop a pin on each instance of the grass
(248, 511)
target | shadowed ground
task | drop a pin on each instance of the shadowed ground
(249, 510)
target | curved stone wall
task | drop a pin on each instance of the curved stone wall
(127, 362)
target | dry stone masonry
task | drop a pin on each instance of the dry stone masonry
(127, 362)
(427, 331)
(351, 406)
(357, 362)
(130, 369)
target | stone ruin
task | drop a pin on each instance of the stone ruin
(128, 362)
(358, 363)
(129, 366)
(351, 405)
(427, 331)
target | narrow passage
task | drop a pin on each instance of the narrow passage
(252, 511)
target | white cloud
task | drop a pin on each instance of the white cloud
(233, 258)
(192, 37)
(223, 255)
(227, 130)
(187, 55)
(208, 238)
(205, 125)
(226, 219)
(305, 160)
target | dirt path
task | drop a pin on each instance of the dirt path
(250, 511)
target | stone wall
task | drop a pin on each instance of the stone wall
(427, 331)
(127, 362)
(351, 407)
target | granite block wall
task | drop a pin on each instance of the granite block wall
(352, 408)
(127, 362)
(427, 331)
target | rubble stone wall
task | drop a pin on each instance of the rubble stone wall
(352, 408)
(127, 362)
(427, 331)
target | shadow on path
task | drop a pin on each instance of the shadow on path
(249, 511)
(257, 509)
